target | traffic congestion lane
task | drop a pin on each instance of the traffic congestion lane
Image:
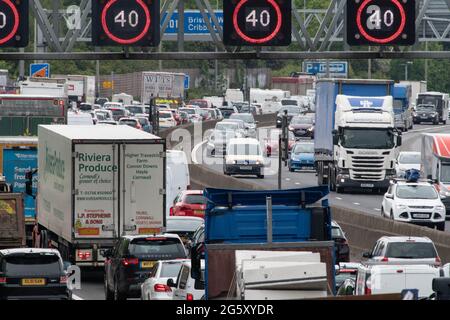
(363, 200)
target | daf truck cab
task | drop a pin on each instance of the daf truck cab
(365, 143)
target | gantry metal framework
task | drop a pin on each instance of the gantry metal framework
(319, 33)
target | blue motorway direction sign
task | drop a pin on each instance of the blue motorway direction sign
(338, 69)
(194, 24)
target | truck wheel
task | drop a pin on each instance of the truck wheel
(440, 226)
(382, 213)
(44, 239)
(391, 216)
(109, 295)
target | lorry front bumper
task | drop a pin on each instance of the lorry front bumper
(346, 182)
(244, 169)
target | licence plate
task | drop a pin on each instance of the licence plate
(367, 185)
(199, 212)
(245, 168)
(33, 282)
(421, 215)
(147, 264)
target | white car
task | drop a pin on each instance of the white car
(185, 287)
(249, 122)
(155, 287)
(244, 157)
(398, 250)
(166, 119)
(407, 160)
(414, 202)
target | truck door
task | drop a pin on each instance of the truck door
(142, 194)
(96, 191)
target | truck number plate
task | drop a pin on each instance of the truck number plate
(367, 185)
(245, 168)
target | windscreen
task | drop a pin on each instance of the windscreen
(156, 246)
(411, 250)
(128, 122)
(289, 102)
(409, 158)
(416, 192)
(336, 232)
(195, 199)
(118, 112)
(188, 110)
(302, 120)
(365, 138)
(32, 265)
(165, 115)
(426, 107)
(226, 126)
(170, 269)
(134, 110)
(445, 172)
(244, 117)
(304, 148)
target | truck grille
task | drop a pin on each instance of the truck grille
(366, 168)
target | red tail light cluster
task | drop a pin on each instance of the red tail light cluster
(130, 261)
(162, 288)
(385, 259)
(2, 280)
(63, 279)
(189, 297)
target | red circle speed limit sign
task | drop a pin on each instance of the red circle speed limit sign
(13, 23)
(125, 22)
(381, 22)
(257, 22)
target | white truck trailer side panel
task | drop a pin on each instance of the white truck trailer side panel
(96, 187)
(55, 189)
(142, 177)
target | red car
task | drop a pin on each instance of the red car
(271, 144)
(189, 203)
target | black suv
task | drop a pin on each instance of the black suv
(33, 274)
(131, 261)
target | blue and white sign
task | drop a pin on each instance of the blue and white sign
(194, 24)
(15, 164)
(187, 81)
(366, 103)
(338, 69)
(40, 70)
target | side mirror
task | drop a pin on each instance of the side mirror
(390, 196)
(335, 138)
(171, 283)
(196, 272)
(443, 197)
(399, 141)
(367, 255)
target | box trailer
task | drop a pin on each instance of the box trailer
(97, 183)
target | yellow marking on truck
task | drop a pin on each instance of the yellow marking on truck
(8, 207)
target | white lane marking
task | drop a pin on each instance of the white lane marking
(288, 179)
(356, 203)
(338, 198)
(376, 209)
(194, 151)
(425, 129)
(75, 297)
(297, 183)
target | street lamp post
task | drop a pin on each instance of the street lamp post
(406, 69)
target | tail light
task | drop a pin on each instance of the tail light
(2, 280)
(171, 211)
(368, 287)
(385, 259)
(189, 297)
(162, 288)
(130, 261)
(63, 279)
(84, 255)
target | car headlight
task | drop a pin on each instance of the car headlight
(401, 207)
(439, 208)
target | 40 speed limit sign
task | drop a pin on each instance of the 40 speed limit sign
(381, 22)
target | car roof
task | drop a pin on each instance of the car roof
(417, 183)
(28, 250)
(244, 141)
(161, 235)
(406, 239)
(175, 218)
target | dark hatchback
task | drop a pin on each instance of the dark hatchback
(131, 260)
(32, 274)
(342, 252)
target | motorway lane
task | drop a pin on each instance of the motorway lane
(92, 282)
(363, 200)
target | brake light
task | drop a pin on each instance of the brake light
(84, 255)
(162, 288)
(171, 211)
(385, 259)
(368, 287)
(189, 297)
(156, 239)
(368, 291)
(63, 279)
(130, 261)
(2, 280)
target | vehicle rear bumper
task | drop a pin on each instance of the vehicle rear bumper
(37, 297)
(236, 169)
(298, 165)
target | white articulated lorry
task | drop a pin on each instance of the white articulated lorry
(97, 183)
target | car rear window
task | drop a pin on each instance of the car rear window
(117, 112)
(152, 246)
(131, 123)
(183, 225)
(336, 233)
(32, 265)
(195, 199)
(170, 270)
(411, 250)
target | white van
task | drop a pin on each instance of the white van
(178, 178)
(382, 279)
(185, 287)
(79, 118)
(244, 157)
